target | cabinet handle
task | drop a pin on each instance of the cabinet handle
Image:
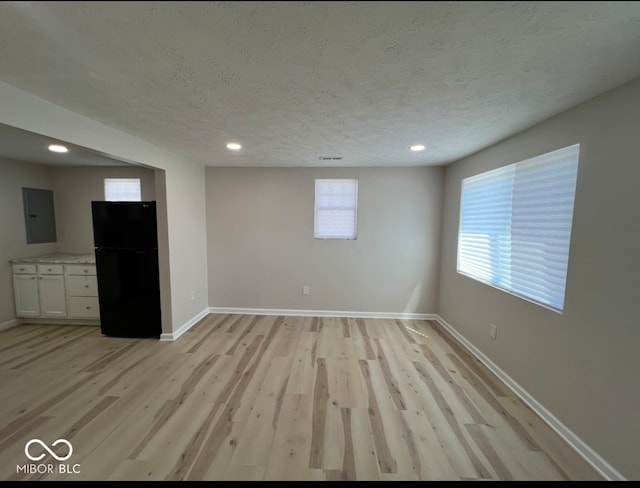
(86, 270)
(88, 307)
(21, 269)
(48, 269)
(86, 286)
(33, 278)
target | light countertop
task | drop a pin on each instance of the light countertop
(58, 258)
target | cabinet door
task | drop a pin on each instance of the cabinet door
(53, 302)
(25, 289)
(39, 215)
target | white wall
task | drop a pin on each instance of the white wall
(583, 364)
(75, 187)
(13, 238)
(261, 246)
(185, 200)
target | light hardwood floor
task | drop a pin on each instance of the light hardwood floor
(242, 397)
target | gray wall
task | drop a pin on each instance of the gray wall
(13, 240)
(261, 247)
(583, 364)
(75, 187)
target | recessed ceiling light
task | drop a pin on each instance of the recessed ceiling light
(234, 146)
(58, 148)
(418, 147)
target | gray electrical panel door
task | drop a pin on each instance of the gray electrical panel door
(39, 215)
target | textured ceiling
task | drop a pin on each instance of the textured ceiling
(294, 81)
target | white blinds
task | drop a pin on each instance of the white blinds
(122, 190)
(336, 209)
(515, 226)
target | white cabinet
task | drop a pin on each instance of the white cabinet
(53, 301)
(56, 291)
(82, 291)
(25, 289)
(39, 291)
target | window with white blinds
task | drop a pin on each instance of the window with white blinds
(122, 190)
(336, 205)
(515, 226)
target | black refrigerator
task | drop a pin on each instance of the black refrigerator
(126, 247)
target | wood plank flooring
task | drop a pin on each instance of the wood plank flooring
(242, 397)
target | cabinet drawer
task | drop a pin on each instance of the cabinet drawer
(81, 269)
(51, 269)
(24, 268)
(84, 307)
(82, 286)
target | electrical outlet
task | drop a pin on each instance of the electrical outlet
(493, 331)
(305, 289)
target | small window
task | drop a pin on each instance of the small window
(336, 209)
(122, 190)
(515, 226)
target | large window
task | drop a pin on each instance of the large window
(515, 226)
(122, 190)
(336, 209)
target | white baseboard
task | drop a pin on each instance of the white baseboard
(172, 336)
(64, 321)
(592, 457)
(48, 321)
(323, 313)
(10, 323)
